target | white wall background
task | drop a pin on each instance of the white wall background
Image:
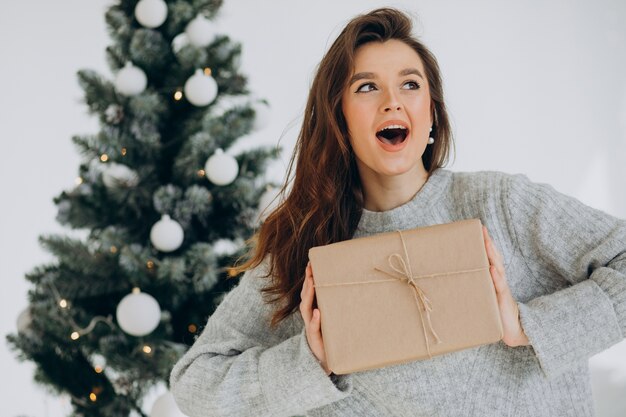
(536, 87)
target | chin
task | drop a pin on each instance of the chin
(395, 171)
(391, 167)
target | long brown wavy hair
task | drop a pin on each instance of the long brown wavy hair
(325, 202)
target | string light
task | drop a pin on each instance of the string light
(78, 180)
(178, 95)
(232, 272)
(123, 151)
(76, 334)
(94, 391)
(98, 369)
(192, 328)
(63, 303)
(201, 173)
(147, 349)
(150, 264)
(207, 71)
(113, 249)
(104, 157)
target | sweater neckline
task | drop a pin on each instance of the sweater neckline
(381, 221)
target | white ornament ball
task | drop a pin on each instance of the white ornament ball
(138, 314)
(268, 202)
(24, 319)
(261, 115)
(221, 168)
(200, 89)
(117, 175)
(98, 361)
(167, 235)
(130, 80)
(222, 247)
(151, 13)
(200, 31)
(179, 42)
(165, 406)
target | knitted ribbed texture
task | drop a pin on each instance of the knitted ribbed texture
(566, 266)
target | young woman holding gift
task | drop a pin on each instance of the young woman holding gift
(369, 159)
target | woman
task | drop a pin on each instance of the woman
(370, 159)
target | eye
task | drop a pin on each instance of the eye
(414, 85)
(360, 89)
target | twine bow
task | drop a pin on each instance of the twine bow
(406, 275)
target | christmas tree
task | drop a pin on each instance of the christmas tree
(164, 206)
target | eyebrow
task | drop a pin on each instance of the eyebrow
(363, 75)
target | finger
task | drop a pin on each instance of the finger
(313, 291)
(309, 270)
(304, 283)
(303, 288)
(308, 276)
(306, 305)
(495, 277)
(316, 326)
(315, 321)
(494, 256)
(499, 282)
(494, 250)
(488, 246)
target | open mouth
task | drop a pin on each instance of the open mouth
(393, 135)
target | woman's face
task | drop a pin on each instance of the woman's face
(387, 109)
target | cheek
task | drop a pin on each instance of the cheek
(358, 117)
(420, 102)
(349, 112)
(352, 123)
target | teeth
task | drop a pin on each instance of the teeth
(392, 127)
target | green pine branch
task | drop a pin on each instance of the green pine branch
(99, 93)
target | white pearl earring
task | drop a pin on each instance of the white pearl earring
(431, 140)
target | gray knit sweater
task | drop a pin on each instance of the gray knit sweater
(565, 263)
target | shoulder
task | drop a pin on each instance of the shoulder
(514, 192)
(505, 182)
(482, 183)
(497, 189)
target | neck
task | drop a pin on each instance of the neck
(382, 193)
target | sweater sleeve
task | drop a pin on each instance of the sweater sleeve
(239, 367)
(578, 254)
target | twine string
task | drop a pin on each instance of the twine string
(406, 275)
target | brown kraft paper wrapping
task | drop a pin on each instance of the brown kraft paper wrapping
(373, 316)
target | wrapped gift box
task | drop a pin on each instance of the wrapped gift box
(373, 316)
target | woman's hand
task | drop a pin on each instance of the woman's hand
(509, 313)
(312, 320)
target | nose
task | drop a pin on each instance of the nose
(390, 108)
(391, 103)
